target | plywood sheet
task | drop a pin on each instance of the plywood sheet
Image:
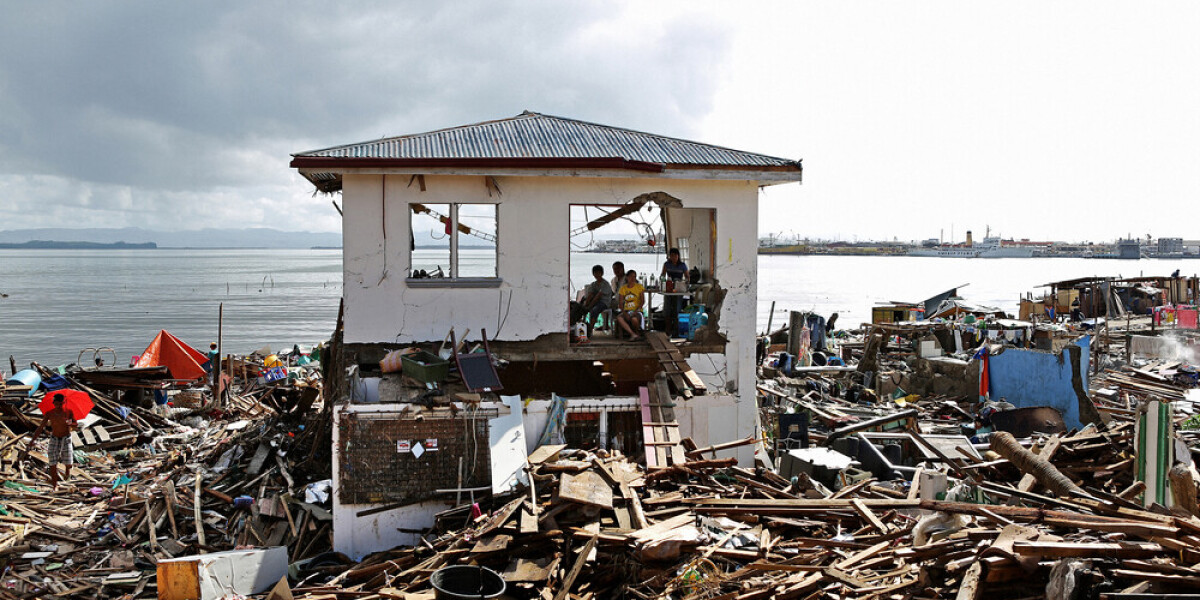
(587, 487)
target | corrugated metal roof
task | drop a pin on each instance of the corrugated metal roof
(534, 135)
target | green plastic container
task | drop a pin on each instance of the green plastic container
(425, 367)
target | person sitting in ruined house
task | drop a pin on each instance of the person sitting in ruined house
(630, 299)
(618, 277)
(597, 297)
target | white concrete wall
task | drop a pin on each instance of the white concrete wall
(533, 255)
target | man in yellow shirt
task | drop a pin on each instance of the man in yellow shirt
(630, 299)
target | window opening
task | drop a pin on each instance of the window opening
(623, 430)
(476, 240)
(454, 241)
(582, 430)
(430, 241)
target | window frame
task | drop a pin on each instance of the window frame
(454, 280)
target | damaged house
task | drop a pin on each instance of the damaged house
(469, 229)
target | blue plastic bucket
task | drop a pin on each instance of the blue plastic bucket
(27, 377)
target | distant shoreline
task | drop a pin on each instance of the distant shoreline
(55, 245)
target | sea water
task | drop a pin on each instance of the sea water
(60, 302)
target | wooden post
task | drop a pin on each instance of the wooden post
(868, 363)
(795, 326)
(1096, 323)
(1004, 444)
(220, 351)
(770, 317)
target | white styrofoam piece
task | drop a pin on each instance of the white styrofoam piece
(507, 441)
(244, 572)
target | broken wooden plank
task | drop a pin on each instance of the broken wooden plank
(569, 580)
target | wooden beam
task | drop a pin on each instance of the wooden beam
(569, 580)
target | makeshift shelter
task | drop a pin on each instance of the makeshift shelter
(183, 361)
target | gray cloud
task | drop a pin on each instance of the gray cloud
(183, 116)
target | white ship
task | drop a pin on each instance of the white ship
(990, 247)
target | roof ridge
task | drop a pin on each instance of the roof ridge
(528, 115)
(387, 138)
(657, 135)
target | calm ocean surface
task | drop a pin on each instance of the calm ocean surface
(61, 301)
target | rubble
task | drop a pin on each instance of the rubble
(890, 472)
(203, 476)
(597, 525)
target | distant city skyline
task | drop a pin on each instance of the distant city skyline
(962, 238)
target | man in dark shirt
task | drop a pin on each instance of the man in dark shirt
(597, 298)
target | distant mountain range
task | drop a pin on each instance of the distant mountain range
(47, 245)
(201, 238)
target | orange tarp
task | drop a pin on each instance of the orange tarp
(183, 361)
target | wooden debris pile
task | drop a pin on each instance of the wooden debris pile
(1017, 523)
(250, 471)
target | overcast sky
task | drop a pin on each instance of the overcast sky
(1065, 120)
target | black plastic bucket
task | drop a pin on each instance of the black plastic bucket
(464, 582)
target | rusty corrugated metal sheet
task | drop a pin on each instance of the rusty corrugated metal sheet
(534, 135)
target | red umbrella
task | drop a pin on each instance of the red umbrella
(78, 403)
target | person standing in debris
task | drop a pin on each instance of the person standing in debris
(61, 423)
(631, 298)
(596, 298)
(212, 357)
(675, 271)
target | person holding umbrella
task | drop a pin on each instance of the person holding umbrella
(62, 417)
